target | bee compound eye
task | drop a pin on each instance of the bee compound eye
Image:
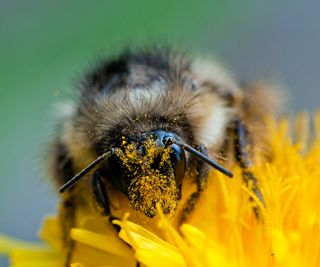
(178, 160)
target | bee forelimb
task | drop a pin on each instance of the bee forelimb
(243, 157)
(201, 178)
(250, 178)
(100, 194)
(102, 199)
(242, 144)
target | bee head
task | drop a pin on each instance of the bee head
(148, 170)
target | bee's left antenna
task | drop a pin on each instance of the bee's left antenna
(74, 180)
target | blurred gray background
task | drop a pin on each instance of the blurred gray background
(44, 46)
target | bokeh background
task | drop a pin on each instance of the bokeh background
(46, 45)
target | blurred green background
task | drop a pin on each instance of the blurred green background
(46, 45)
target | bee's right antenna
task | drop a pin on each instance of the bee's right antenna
(195, 152)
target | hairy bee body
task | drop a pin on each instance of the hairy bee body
(155, 92)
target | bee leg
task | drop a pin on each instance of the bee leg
(200, 170)
(102, 199)
(242, 153)
(67, 217)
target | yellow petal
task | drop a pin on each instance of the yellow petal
(102, 242)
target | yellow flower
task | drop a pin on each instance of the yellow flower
(27, 254)
(222, 230)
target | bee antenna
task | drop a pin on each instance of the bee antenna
(75, 179)
(195, 152)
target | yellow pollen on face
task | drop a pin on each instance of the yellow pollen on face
(155, 188)
(149, 186)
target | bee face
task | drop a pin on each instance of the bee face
(147, 171)
(135, 104)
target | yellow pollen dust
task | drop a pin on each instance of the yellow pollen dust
(151, 178)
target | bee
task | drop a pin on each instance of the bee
(146, 121)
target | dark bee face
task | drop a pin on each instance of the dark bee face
(148, 171)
